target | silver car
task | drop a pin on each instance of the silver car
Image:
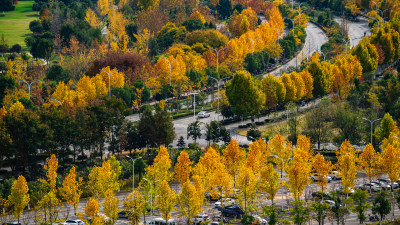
(72, 222)
(203, 114)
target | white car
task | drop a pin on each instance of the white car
(371, 186)
(335, 175)
(203, 114)
(330, 202)
(76, 222)
(224, 202)
(261, 220)
(200, 218)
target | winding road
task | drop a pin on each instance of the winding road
(357, 30)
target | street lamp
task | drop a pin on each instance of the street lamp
(56, 101)
(133, 171)
(29, 86)
(325, 54)
(151, 197)
(372, 124)
(283, 165)
(287, 120)
(218, 81)
(217, 54)
(109, 81)
(194, 104)
(376, 4)
(170, 67)
(291, 21)
(278, 33)
(253, 42)
(299, 4)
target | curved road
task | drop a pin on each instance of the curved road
(357, 30)
(314, 40)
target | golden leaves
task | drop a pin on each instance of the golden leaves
(92, 18)
(19, 196)
(183, 168)
(134, 204)
(70, 188)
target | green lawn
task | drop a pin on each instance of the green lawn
(15, 24)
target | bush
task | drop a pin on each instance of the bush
(16, 48)
(57, 73)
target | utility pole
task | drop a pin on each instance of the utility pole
(170, 67)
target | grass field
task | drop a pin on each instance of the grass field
(15, 24)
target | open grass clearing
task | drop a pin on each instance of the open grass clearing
(15, 24)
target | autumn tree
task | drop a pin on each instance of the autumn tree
(51, 173)
(206, 167)
(183, 167)
(322, 168)
(92, 208)
(322, 80)
(298, 171)
(160, 170)
(165, 200)
(134, 204)
(104, 178)
(233, 158)
(247, 184)
(92, 18)
(70, 190)
(19, 197)
(369, 162)
(387, 126)
(367, 55)
(274, 90)
(390, 162)
(49, 205)
(269, 182)
(239, 24)
(346, 165)
(190, 200)
(110, 205)
(290, 87)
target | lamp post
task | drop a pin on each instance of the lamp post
(291, 20)
(283, 165)
(325, 54)
(29, 86)
(194, 105)
(217, 54)
(253, 40)
(278, 33)
(372, 125)
(299, 4)
(151, 197)
(133, 171)
(376, 4)
(109, 81)
(170, 67)
(218, 81)
(287, 120)
(56, 101)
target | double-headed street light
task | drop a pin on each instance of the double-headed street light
(29, 86)
(217, 54)
(133, 171)
(170, 67)
(283, 165)
(218, 81)
(56, 101)
(194, 105)
(325, 54)
(253, 40)
(109, 80)
(151, 197)
(372, 124)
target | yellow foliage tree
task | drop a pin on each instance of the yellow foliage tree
(110, 205)
(183, 168)
(346, 165)
(247, 184)
(49, 205)
(92, 18)
(257, 156)
(206, 167)
(298, 171)
(142, 43)
(196, 15)
(16, 108)
(290, 87)
(104, 7)
(160, 170)
(308, 83)
(390, 162)
(51, 172)
(134, 204)
(92, 208)
(233, 158)
(190, 200)
(269, 181)
(102, 179)
(70, 189)
(19, 197)
(369, 162)
(165, 200)
(115, 77)
(322, 168)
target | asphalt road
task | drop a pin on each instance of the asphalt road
(314, 40)
(357, 30)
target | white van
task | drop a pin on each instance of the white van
(161, 221)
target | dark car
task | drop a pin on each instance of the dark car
(123, 214)
(12, 223)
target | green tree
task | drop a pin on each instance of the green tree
(381, 206)
(194, 130)
(271, 212)
(339, 209)
(387, 126)
(181, 142)
(57, 73)
(360, 204)
(349, 123)
(244, 94)
(317, 122)
(367, 55)
(224, 9)
(217, 132)
(321, 211)
(300, 213)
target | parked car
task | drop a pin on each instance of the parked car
(371, 186)
(161, 221)
(123, 214)
(77, 222)
(319, 195)
(385, 186)
(12, 223)
(224, 202)
(315, 178)
(231, 211)
(213, 223)
(203, 114)
(342, 190)
(335, 175)
(261, 221)
(330, 202)
(200, 218)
